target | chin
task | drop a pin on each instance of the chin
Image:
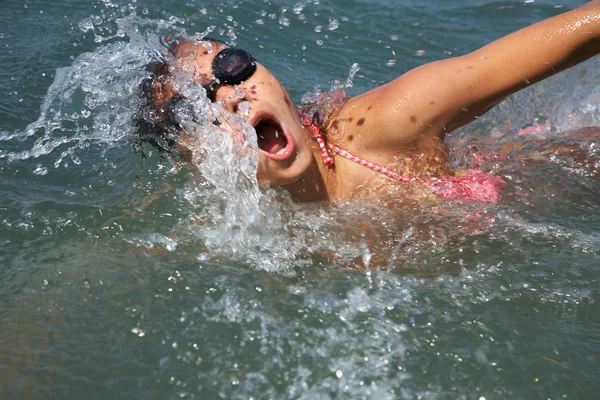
(273, 176)
(280, 173)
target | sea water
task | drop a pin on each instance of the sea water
(131, 275)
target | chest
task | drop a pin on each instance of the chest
(375, 171)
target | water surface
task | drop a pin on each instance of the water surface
(137, 277)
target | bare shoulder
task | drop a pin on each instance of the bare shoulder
(402, 112)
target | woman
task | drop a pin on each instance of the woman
(390, 138)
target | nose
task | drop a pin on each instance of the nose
(231, 96)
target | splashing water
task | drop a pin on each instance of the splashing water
(89, 105)
(196, 282)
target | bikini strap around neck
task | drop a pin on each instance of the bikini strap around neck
(328, 146)
(474, 185)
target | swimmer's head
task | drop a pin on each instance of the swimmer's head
(229, 76)
(156, 120)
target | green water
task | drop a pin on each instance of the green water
(131, 277)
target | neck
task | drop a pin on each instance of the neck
(318, 183)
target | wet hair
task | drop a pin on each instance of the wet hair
(155, 121)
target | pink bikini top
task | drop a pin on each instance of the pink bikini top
(473, 184)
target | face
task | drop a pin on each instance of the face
(284, 153)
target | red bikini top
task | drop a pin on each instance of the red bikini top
(473, 184)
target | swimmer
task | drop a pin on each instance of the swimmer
(339, 148)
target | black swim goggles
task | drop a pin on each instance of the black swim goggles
(230, 67)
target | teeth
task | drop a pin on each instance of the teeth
(276, 134)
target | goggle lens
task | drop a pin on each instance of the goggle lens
(230, 67)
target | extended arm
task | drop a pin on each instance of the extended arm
(439, 97)
(522, 59)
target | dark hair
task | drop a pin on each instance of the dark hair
(149, 125)
(155, 121)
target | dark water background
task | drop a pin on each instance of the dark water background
(126, 277)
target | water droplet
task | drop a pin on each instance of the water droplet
(283, 20)
(176, 20)
(86, 25)
(244, 108)
(40, 170)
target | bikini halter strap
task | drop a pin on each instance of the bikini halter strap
(328, 160)
(472, 185)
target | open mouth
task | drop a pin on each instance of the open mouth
(272, 139)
